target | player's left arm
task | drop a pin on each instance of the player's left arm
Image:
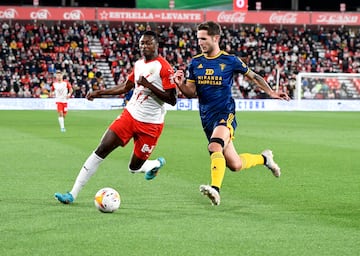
(260, 81)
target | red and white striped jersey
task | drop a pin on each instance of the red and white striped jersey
(144, 105)
(61, 90)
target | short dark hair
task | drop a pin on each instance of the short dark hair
(211, 27)
(151, 33)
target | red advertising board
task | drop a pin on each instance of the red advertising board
(46, 13)
(266, 17)
(137, 15)
(335, 18)
(179, 16)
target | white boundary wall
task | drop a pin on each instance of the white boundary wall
(186, 104)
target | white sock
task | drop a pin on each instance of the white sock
(89, 168)
(147, 166)
(61, 122)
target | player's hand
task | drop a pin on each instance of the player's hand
(280, 95)
(143, 81)
(179, 77)
(284, 96)
(91, 95)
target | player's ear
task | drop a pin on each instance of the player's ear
(217, 38)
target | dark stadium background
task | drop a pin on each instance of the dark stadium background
(303, 5)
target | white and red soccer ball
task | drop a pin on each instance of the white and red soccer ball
(107, 200)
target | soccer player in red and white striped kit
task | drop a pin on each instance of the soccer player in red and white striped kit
(142, 119)
(62, 91)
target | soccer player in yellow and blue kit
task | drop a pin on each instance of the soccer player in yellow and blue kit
(210, 78)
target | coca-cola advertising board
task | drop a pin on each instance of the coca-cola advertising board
(266, 17)
(46, 13)
(137, 15)
(179, 16)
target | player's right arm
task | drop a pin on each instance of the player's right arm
(187, 88)
(117, 90)
(52, 91)
(260, 82)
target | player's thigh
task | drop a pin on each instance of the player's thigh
(59, 107)
(220, 132)
(146, 139)
(108, 143)
(123, 127)
(65, 108)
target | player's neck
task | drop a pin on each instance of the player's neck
(213, 53)
(150, 58)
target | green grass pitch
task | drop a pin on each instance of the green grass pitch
(313, 209)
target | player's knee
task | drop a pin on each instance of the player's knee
(216, 145)
(235, 167)
(104, 150)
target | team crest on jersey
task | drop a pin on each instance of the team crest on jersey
(200, 66)
(222, 66)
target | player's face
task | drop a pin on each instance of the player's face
(208, 44)
(58, 76)
(148, 47)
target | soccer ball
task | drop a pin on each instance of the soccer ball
(107, 200)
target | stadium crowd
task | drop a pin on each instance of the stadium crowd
(31, 52)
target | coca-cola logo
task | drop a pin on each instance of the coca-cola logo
(8, 14)
(42, 14)
(283, 18)
(73, 15)
(233, 17)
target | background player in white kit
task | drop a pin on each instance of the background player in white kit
(142, 119)
(62, 91)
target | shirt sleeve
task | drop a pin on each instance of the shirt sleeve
(240, 66)
(131, 76)
(190, 76)
(167, 75)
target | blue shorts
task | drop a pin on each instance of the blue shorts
(226, 119)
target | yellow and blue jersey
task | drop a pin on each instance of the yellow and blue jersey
(213, 78)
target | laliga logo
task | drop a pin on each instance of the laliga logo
(41, 14)
(73, 15)
(337, 19)
(8, 14)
